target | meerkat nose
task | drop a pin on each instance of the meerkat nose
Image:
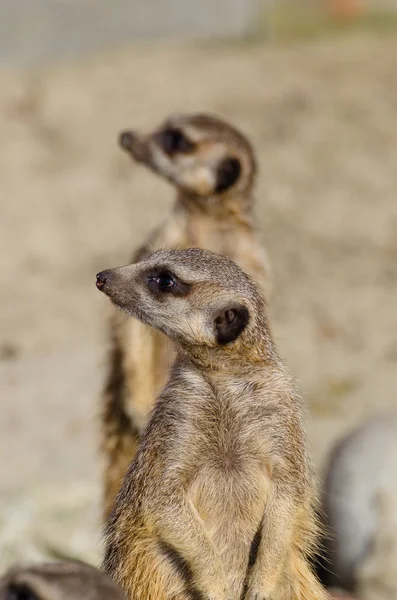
(101, 279)
(126, 139)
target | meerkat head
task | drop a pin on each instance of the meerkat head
(57, 581)
(196, 297)
(200, 154)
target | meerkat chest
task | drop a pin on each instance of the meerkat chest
(234, 241)
(227, 424)
(234, 456)
(232, 479)
(206, 232)
(225, 431)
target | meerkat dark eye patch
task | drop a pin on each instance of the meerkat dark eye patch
(173, 141)
(20, 592)
(164, 282)
(227, 174)
(230, 323)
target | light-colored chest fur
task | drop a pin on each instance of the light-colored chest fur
(230, 462)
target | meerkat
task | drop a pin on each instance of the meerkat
(213, 167)
(219, 501)
(58, 581)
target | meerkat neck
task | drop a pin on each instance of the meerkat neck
(220, 369)
(234, 208)
(229, 360)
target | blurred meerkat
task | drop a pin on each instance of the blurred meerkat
(57, 581)
(213, 167)
(219, 501)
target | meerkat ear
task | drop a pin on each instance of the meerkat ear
(229, 323)
(227, 173)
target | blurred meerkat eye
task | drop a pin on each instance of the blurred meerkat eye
(173, 140)
(20, 592)
(164, 281)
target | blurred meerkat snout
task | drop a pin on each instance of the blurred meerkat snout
(126, 139)
(135, 144)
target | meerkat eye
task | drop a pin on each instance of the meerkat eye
(20, 592)
(164, 281)
(173, 140)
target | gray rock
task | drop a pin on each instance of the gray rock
(361, 478)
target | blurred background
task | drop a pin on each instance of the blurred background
(314, 86)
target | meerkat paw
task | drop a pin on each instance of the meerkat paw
(221, 594)
(256, 594)
(259, 589)
(218, 596)
(214, 592)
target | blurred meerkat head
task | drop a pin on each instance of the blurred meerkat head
(198, 298)
(200, 154)
(57, 581)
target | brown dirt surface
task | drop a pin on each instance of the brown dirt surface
(322, 115)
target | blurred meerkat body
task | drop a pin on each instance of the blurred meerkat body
(57, 581)
(219, 501)
(213, 168)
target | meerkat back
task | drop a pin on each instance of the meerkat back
(57, 581)
(213, 168)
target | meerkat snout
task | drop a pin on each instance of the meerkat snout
(121, 286)
(126, 140)
(111, 281)
(101, 280)
(135, 144)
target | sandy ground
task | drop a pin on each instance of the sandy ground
(322, 115)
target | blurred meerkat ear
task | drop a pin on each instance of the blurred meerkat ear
(227, 174)
(230, 323)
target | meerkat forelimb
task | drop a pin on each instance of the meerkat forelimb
(219, 501)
